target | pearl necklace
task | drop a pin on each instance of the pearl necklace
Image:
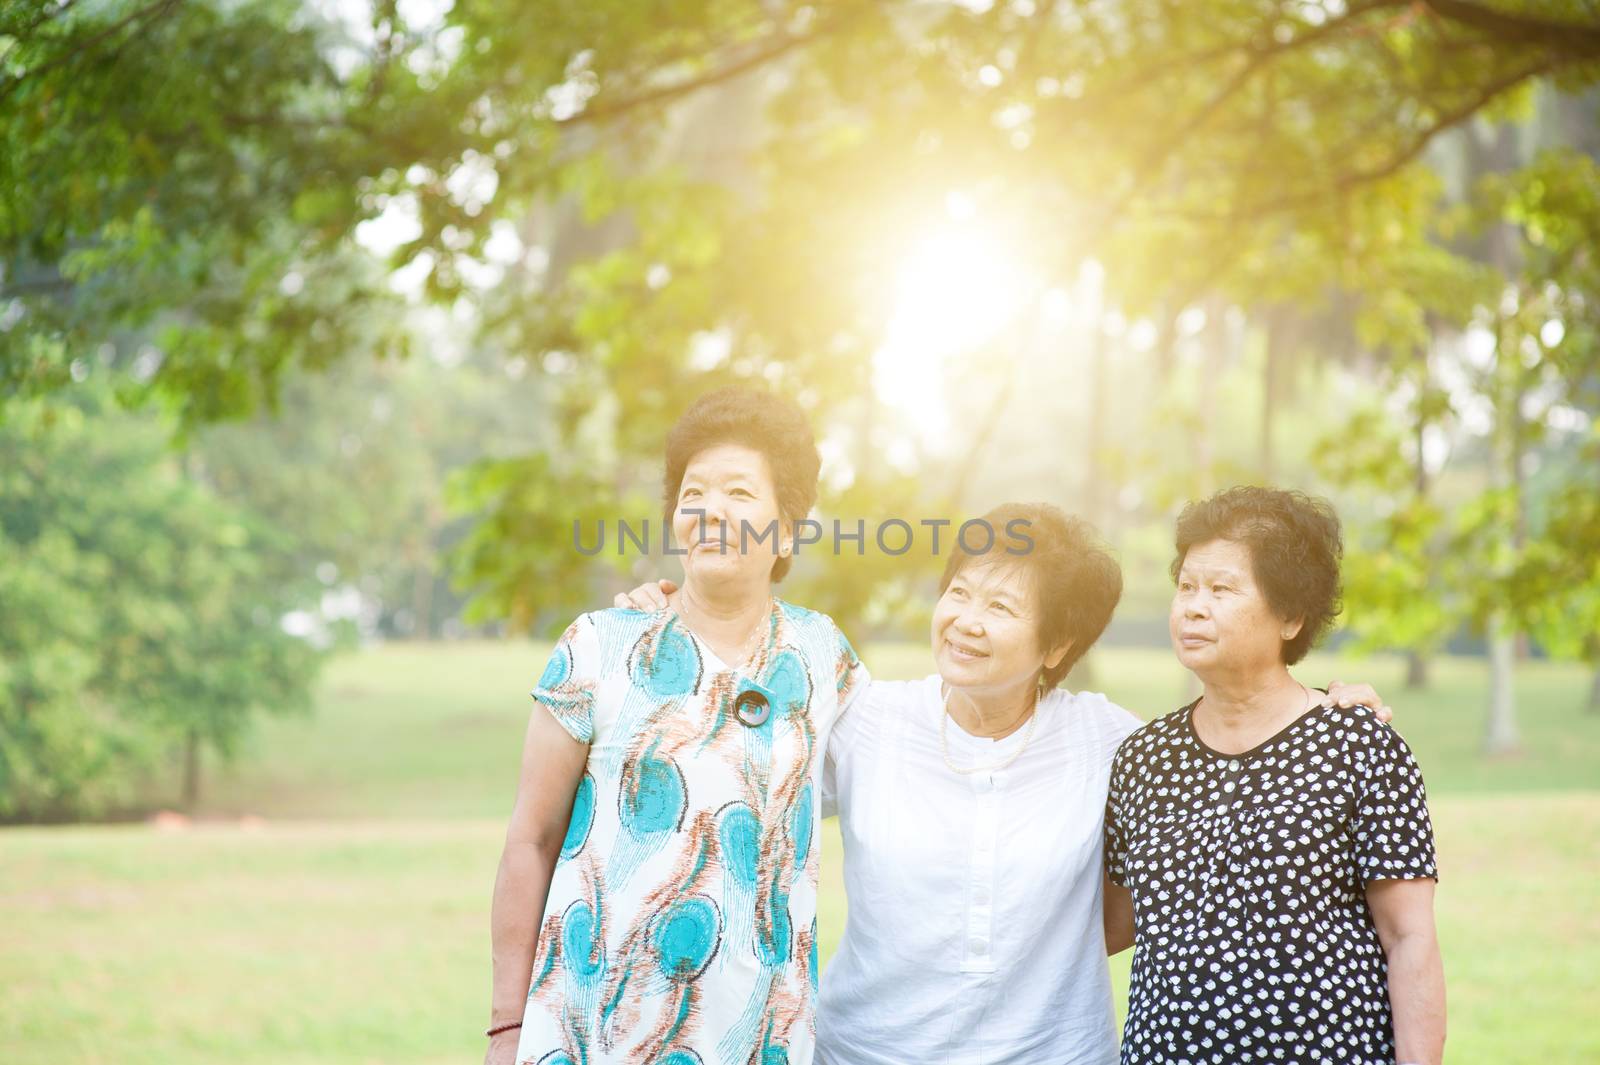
(751, 645)
(944, 743)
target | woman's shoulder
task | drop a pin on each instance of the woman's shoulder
(1358, 730)
(808, 624)
(814, 631)
(903, 696)
(619, 625)
(1096, 710)
(1163, 731)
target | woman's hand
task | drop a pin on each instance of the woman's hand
(1348, 695)
(502, 1048)
(651, 596)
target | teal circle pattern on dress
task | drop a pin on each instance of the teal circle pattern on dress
(558, 669)
(739, 833)
(579, 929)
(654, 800)
(582, 818)
(686, 937)
(786, 679)
(669, 665)
(775, 1056)
(557, 1057)
(681, 1057)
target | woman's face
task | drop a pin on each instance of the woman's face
(1220, 621)
(986, 630)
(726, 502)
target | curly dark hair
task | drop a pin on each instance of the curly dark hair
(762, 421)
(1076, 582)
(1294, 544)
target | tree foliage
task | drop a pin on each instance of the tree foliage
(141, 614)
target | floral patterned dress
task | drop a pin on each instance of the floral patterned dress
(680, 927)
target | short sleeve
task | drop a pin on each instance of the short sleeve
(567, 686)
(853, 681)
(851, 676)
(1115, 843)
(1393, 832)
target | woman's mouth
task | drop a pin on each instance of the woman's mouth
(965, 654)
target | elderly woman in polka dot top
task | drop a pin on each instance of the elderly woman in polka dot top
(1273, 854)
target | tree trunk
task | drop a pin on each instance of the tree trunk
(1416, 671)
(191, 771)
(1277, 339)
(1096, 504)
(422, 600)
(1502, 735)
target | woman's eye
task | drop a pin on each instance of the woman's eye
(958, 593)
(687, 492)
(741, 492)
(1001, 607)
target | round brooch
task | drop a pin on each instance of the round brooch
(752, 709)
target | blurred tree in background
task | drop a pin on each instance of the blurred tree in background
(141, 614)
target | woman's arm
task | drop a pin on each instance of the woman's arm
(1118, 916)
(1403, 912)
(552, 766)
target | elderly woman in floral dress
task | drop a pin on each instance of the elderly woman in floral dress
(656, 898)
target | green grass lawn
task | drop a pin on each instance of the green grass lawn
(350, 925)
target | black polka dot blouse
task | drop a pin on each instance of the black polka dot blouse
(1248, 874)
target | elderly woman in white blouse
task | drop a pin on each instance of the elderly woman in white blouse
(971, 805)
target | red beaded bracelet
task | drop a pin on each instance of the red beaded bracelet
(492, 1032)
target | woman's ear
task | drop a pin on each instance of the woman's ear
(1289, 630)
(1053, 659)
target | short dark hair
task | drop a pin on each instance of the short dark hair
(762, 421)
(1076, 582)
(1294, 544)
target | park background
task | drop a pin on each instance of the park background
(323, 321)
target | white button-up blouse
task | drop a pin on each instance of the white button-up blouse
(974, 932)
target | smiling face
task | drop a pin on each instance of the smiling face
(986, 631)
(1220, 621)
(732, 485)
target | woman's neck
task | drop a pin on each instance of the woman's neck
(1238, 713)
(992, 715)
(723, 616)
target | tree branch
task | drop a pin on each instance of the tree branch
(1261, 56)
(1448, 120)
(1570, 38)
(781, 44)
(50, 14)
(1272, 48)
(43, 284)
(152, 10)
